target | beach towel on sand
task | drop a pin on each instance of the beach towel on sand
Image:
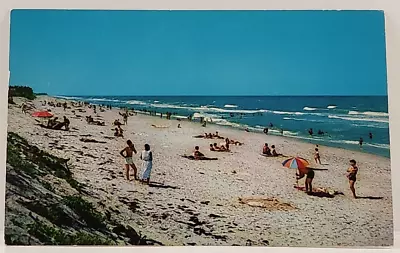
(147, 164)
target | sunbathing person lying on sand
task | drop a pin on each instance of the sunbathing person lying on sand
(221, 148)
(197, 155)
(235, 142)
(156, 126)
(216, 135)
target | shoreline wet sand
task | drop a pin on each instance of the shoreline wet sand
(197, 202)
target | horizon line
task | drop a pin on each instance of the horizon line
(216, 95)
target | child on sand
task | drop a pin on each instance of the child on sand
(317, 157)
(147, 164)
(129, 150)
(352, 176)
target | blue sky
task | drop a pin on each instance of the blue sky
(199, 52)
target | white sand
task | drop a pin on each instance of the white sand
(322, 222)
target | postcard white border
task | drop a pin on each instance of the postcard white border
(392, 17)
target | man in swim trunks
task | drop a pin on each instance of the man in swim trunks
(352, 176)
(309, 179)
(129, 150)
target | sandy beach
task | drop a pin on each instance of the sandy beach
(197, 202)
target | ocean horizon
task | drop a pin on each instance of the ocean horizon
(343, 119)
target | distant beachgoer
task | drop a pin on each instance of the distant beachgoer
(352, 176)
(197, 153)
(281, 131)
(121, 131)
(179, 125)
(147, 164)
(24, 108)
(116, 133)
(66, 123)
(125, 117)
(271, 125)
(204, 124)
(361, 141)
(216, 148)
(129, 150)
(247, 130)
(309, 179)
(310, 131)
(320, 132)
(266, 130)
(266, 150)
(273, 151)
(370, 135)
(212, 147)
(317, 157)
(65, 105)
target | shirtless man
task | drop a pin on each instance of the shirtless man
(352, 176)
(129, 150)
(266, 150)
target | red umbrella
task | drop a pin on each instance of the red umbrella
(43, 114)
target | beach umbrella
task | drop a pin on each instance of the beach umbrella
(43, 114)
(296, 163)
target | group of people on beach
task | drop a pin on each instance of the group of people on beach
(309, 173)
(146, 156)
(267, 151)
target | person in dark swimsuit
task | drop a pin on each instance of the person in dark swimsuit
(370, 136)
(352, 176)
(309, 179)
(361, 142)
(266, 130)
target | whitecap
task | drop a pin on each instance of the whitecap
(230, 106)
(309, 109)
(359, 119)
(377, 114)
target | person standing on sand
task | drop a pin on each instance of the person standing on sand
(317, 157)
(147, 164)
(352, 176)
(129, 150)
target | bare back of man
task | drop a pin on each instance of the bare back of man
(129, 150)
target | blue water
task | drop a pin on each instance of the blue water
(344, 119)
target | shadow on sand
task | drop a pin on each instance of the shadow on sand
(161, 185)
(369, 197)
(317, 169)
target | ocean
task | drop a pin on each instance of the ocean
(344, 120)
